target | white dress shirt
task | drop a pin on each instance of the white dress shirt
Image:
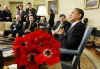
(53, 31)
(73, 24)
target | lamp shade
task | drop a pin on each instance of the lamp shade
(42, 11)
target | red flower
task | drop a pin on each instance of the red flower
(29, 61)
(20, 49)
(36, 48)
(49, 56)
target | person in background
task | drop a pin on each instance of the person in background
(30, 26)
(1, 14)
(17, 10)
(15, 28)
(43, 22)
(30, 11)
(62, 24)
(22, 13)
(51, 19)
(6, 14)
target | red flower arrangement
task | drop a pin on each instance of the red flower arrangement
(36, 48)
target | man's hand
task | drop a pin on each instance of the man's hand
(10, 35)
(61, 31)
(7, 17)
(27, 30)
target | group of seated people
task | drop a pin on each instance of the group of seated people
(25, 21)
(6, 15)
(68, 33)
(21, 28)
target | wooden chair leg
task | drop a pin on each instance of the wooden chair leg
(79, 65)
(1, 60)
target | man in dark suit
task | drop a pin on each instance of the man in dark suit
(1, 15)
(61, 24)
(30, 11)
(30, 26)
(6, 14)
(22, 13)
(75, 33)
(15, 28)
(51, 18)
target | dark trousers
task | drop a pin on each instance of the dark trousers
(1, 60)
(7, 32)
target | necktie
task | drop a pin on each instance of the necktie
(62, 26)
(70, 28)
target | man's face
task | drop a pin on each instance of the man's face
(30, 5)
(5, 7)
(62, 19)
(31, 18)
(75, 15)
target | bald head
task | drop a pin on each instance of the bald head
(5, 7)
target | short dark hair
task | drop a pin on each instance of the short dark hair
(29, 3)
(62, 15)
(52, 11)
(21, 5)
(80, 11)
(31, 16)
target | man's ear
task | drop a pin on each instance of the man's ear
(80, 15)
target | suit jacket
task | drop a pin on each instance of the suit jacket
(72, 39)
(30, 27)
(16, 28)
(23, 19)
(74, 36)
(7, 14)
(33, 11)
(1, 15)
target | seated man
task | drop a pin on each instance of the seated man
(1, 15)
(61, 24)
(6, 14)
(75, 33)
(30, 26)
(15, 28)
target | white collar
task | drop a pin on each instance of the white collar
(73, 24)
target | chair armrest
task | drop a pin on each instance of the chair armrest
(71, 52)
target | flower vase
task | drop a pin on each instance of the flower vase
(45, 66)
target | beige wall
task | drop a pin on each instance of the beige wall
(65, 6)
(35, 3)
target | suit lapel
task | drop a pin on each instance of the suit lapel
(75, 26)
